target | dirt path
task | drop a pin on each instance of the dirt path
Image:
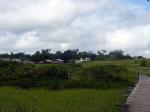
(139, 100)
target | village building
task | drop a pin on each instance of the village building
(58, 61)
(48, 61)
(82, 60)
(87, 59)
(79, 61)
(41, 62)
(28, 62)
(16, 60)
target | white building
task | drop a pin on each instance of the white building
(82, 60)
(79, 61)
(87, 59)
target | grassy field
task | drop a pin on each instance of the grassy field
(78, 100)
(133, 65)
(71, 100)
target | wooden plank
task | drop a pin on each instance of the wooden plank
(139, 99)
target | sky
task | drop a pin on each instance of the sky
(91, 25)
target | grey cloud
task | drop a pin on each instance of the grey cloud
(29, 25)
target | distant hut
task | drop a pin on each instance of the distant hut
(58, 61)
(16, 60)
(82, 60)
(28, 62)
(48, 61)
(41, 62)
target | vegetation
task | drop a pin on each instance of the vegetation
(63, 76)
(94, 74)
(68, 55)
(77, 100)
(88, 87)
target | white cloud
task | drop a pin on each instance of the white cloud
(30, 14)
(29, 25)
(135, 39)
(28, 40)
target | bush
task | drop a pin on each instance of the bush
(26, 76)
(59, 76)
(7, 73)
(105, 72)
(143, 63)
(52, 73)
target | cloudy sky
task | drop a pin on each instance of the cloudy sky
(30, 25)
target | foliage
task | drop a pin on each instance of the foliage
(104, 74)
(61, 76)
(27, 76)
(118, 54)
(143, 63)
(75, 100)
(67, 55)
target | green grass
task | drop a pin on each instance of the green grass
(77, 100)
(130, 64)
(133, 65)
(73, 100)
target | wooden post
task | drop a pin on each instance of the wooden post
(138, 75)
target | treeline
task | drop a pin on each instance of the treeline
(62, 76)
(68, 55)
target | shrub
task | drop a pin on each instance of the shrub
(105, 72)
(59, 76)
(26, 76)
(52, 73)
(143, 63)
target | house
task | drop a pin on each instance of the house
(87, 59)
(79, 61)
(58, 61)
(27, 62)
(16, 60)
(48, 61)
(70, 61)
(41, 62)
(82, 60)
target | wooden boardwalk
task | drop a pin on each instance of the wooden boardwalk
(139, 99)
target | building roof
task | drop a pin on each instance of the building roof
(60, 60)
(48, 61)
